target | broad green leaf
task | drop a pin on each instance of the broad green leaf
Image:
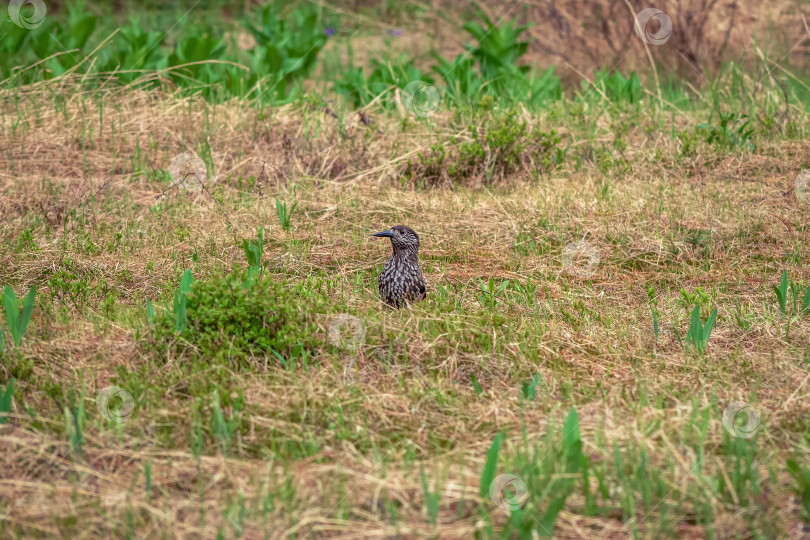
(281, 359)
(12, 311)
(180, 317)
(81, 30)
(5, 400)
(780, 299)
(530, 388)
(571, 429)
(280, 212)
(28, 309)
(546, 524)
(476, 386)
(185, 281)
(781, 292)
(707, 330)
(490, 466)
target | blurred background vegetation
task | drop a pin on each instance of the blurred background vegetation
(360, 52)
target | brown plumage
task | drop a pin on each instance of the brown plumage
(401, 281)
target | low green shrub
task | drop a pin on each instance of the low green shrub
(228, 320)
(505, 145)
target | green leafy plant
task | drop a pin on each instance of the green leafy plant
(5, 401)
(802, 478)
(189, 57)
(384, 76)
(70, 36)
(616, 87)
(781, 293)
(254, 251)
(180, 302)
(498, 50)
(529, 291)
(226, 320)
(572, 462)
(490, 466)
(787, 285)
(476, 385)
(224, 426)
(137, 49)
(489, 292)
(464, 84)
(699, 296)
(74, 422)
(286, 49)
(504, 144)
(17, 321)
(698, 334)
(529, 389)
(732, 131)
(432, 497)
(284, 215)
(498, 47)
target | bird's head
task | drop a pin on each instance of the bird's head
(402, 238)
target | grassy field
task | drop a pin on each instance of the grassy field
(615, 341)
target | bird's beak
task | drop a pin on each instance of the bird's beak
(385, 234)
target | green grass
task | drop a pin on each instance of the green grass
(614, 342)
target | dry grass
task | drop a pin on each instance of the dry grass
(581, 36)
(724, 221)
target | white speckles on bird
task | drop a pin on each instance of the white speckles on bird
(401, 280)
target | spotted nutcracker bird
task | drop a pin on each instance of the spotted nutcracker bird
(401, 281)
